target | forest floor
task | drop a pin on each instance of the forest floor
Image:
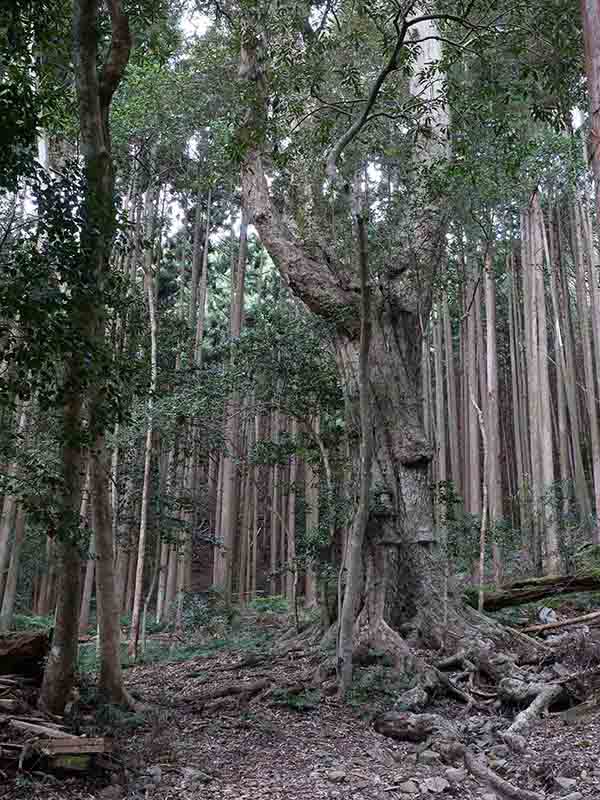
(230, 718)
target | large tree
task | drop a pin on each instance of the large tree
(84, 367)
(326, 280)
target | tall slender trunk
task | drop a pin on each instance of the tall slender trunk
(453, 416)
(311, 493)
(90, 568)
(230, 512)
(516, 396)
(588, 364)
(440, 413)
(9, 506)
(10, 592)
(530, 301)
(202, 293)
(550, 538)
(110, 678)
(359, 528)
(148, 456)
(255, 531)
(493, 474)
(473, 389)
(590, 14)
(292, 567)
(218, 559)
(95, 89)
(274, 522)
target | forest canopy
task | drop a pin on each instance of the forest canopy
(299, 300)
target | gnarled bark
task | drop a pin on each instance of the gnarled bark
(401, 504)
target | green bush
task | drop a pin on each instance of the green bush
(26, 622)
(275, 604)
(305, 700)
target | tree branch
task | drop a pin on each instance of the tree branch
(390, 66)
(311, 271)
(311, 275)
(118, 54)
(353, 131)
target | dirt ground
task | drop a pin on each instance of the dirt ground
(196, 740)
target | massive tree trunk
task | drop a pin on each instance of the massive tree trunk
(401, 502)
(402, 453)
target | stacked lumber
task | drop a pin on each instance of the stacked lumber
(25, 732)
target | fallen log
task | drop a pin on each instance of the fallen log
(532, 589)
(23, 654)
(550, 626)
(408, 727)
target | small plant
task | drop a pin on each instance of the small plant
(305, 700)
(274, 604)
(113, 717)
(155, 627)
(24, 781)
(25, 622)
(377, 684)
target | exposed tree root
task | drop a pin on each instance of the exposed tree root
(443, 737)
(455, 660)
(243, 691)
(379, 636)
(505, 789)
(451, 688)
(515, 735)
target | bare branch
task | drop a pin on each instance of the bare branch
(390, 66)
(352, 132)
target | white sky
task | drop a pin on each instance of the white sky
(192, 22)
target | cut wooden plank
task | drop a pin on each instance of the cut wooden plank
(70, 761)
(74, 745)
(9, 705)
(41, 730)
(38, 721)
